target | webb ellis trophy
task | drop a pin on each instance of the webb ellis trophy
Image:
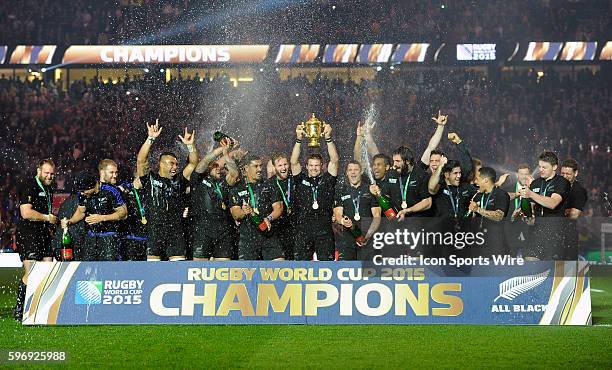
(313, 129)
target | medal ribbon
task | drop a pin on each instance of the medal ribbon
(253, 202)
(453, 204)
(404, 188)
(517, 200)
(140, 208)
(487, 202)
(218, 190)
(356, 202)
(315, 192)
(287, 198)
(47, 195)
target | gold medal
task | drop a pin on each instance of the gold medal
(256, 210)
(143, 220)
(288, 210)
(404, 205)
(223, 206)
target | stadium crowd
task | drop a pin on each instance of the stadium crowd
(185, 21)
(498, 118)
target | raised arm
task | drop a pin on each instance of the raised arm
(433, 186)
(188, 139)
(142, 160)
(297, 149)
(207, 159)
(233, 173)
(334, 159)
(465, 159)
(435, 139)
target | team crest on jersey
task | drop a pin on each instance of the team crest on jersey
(392, 181)
(304, 182)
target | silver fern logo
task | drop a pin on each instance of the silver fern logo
(88, 292)
(516, 286)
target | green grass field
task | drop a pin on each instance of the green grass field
(355, 346)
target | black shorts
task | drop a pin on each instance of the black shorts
(286, 238)
(134, 248)
(255, 245)
(308, 242)
(166, 240)
(100, 247)
(348, 250)
(34, 245)
(219, 245)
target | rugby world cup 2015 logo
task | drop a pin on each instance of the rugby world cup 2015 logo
(88, 292)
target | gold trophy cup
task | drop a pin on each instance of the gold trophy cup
(312, 130)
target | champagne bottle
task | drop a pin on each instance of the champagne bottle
(526, 207)
(218, 136)
(386, 206)
(357, 234)
(66, 249)
(259, 221)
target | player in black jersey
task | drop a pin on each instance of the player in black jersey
(314, 200)
(35, 226)
(213, 229)
(256, 203)
(451, 195)
(134, 233)
(102, 207)
(285, 182)
(549, 193)
(573, 209)
(359, 214)
(164, 196)
(489, 207)
(517, 232)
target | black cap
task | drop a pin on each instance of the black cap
(85, 181)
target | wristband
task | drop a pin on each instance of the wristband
(330, 140)
(298, 141)
(190, 148)
(269, 217)
(151, 139)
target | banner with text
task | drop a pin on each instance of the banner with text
(258, 292)
(171, 54)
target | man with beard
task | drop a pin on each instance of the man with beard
(213, 228)
(407, 187)
(549, 193)
(285, 183)
(356, 210)
(165, 191)
(102, 207)
(108, 171)
(451, 195)
(255, 203)
(488, 208)
(314, 200)
(575, 204)
(517, 232)
(34, 229)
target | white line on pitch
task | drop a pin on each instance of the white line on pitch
(597, 290)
